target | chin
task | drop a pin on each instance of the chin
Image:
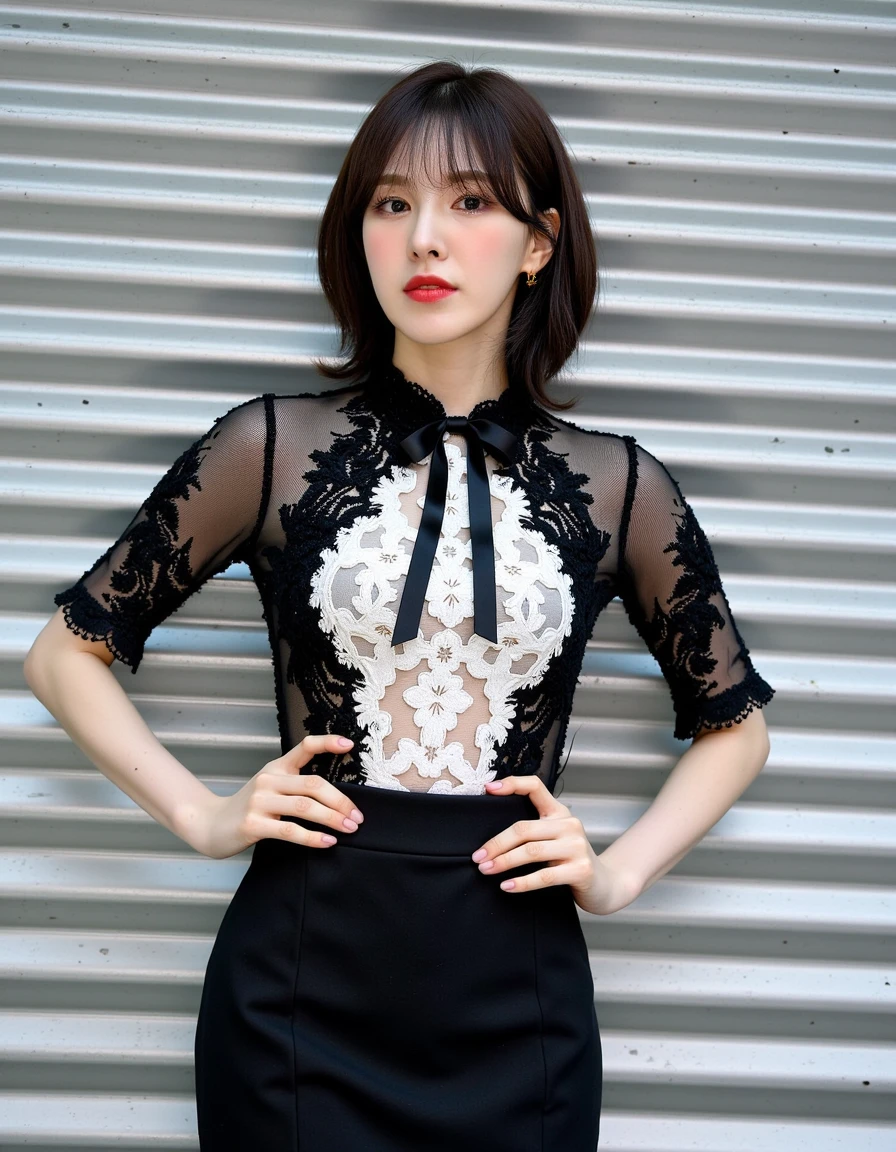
(434, 333)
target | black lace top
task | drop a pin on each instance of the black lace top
(319, 498)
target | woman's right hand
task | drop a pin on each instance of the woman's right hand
(227, 825)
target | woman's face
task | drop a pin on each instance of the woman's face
(414, 228)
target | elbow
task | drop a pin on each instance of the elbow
(48, 662)
(34, 669)
(44, 658)
(30, 664)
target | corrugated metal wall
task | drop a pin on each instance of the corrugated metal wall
(161, 182)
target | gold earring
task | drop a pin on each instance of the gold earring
(530, 279)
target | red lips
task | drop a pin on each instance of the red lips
(425, 281)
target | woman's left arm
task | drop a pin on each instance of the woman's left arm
(672, 591)
(712, 774)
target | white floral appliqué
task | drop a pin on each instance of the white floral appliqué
(440, 704)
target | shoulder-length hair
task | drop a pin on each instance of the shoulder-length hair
(515, 138)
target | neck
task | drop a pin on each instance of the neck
(404, 405)
(458, 387)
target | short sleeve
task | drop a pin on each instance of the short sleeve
(203, 514)
(672, 592)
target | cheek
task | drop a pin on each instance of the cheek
(381, 246)
(494, 249)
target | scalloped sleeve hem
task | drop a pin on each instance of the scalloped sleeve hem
(725, 709)
(87, 618)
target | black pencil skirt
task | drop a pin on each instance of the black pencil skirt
(384, 995)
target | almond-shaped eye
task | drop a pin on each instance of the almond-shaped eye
(380, 205)
(483, 201)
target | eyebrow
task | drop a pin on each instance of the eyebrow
(469, 174)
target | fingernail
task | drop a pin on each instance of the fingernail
(480, 854)
(486, 865)
(344, 742)
(356, 815)
(327, 839)
(507, 885)
(350, 824)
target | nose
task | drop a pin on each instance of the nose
(424, 235)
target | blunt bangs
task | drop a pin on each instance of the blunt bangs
(461, 141)
(462, 121)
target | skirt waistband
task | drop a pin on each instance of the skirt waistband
(437, 823)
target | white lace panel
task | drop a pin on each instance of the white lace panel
(435, 709)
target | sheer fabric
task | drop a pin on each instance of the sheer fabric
(314, 493)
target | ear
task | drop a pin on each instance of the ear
(540, 248)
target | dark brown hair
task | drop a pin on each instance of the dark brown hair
(516, 139)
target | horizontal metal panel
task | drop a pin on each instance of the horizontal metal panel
(162, 180)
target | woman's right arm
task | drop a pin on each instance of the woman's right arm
(204, 512)
(72, 678)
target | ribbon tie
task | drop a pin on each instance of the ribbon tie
(482, 436)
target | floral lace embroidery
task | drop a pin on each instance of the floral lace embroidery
(522, 728)
(340, 488)
(337, 492)
(681, 638)
(378, 548)
(560, 513)
(155, 573)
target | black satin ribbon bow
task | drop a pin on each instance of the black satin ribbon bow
(482, 436)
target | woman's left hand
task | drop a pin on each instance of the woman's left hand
(558, 838)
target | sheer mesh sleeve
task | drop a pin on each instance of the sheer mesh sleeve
(673, 595)
(201, 515)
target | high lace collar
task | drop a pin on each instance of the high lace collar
(404, 405)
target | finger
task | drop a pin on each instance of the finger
(310, 809)
(522, 830)
(560, 850)
(311, 784)
(299, 755)
(286, 830)
(533, 787)
(550, 877)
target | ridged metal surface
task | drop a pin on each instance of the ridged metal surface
(160, 186)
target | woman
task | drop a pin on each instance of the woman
(432, 545)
